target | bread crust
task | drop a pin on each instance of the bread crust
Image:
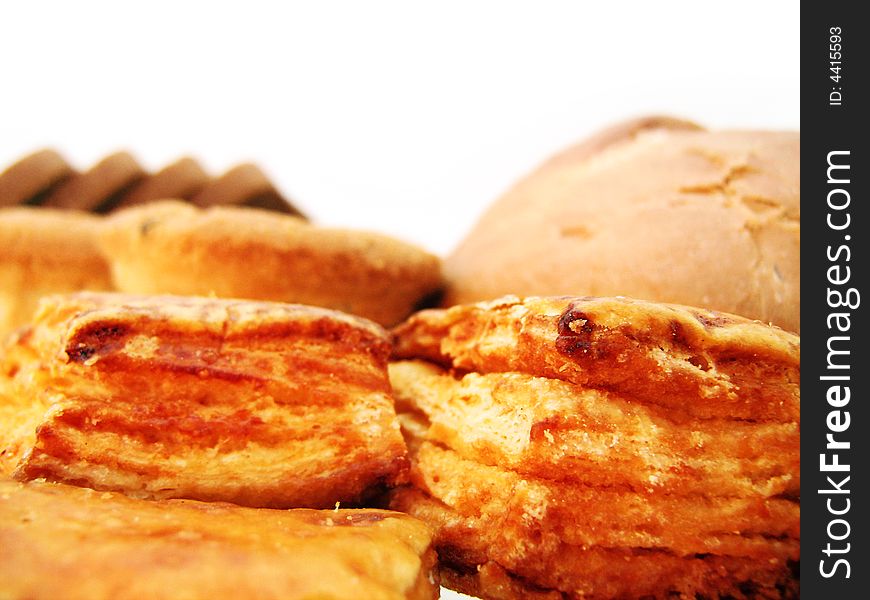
(649, 210)
(170, 247)
(46, 251)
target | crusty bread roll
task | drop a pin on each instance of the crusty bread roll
(657, 209)
(168, 247)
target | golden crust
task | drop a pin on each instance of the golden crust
(653, 210)
(528, 507)
(164, 397)
(593, 543)
(169, 247)
(61, 541)
(537, 425)
(704, 363)
(602, 448)
(46, 252)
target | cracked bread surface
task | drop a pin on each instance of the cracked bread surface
(652, 209)
(568, 448)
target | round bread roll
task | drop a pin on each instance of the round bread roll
(169, 247)
(655, 208)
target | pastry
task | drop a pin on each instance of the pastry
(657, 209)
(59, 541)
(602, 447)
(236, 252)
(99, 188)
(45, 179)
(45, 251)
(244, 185)
(30, 179)
(260, 404)
(181, 180)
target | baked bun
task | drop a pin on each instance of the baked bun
(602, 448)
(59, 541)
(260, 404)
(45, 251)
(235, 252)
(656, 209)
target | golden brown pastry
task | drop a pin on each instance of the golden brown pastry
(603, 448)
(656, 209)
(58, 541)
(235, 252)
(44, 251)
(255, 403)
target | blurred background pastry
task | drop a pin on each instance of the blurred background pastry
(46, 251)
(239, 252)
(44, 178)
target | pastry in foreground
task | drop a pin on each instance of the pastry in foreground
(603, 448)
(45, 251)
(237, 252)
(59, 541)
(256, 403)
(653, 208)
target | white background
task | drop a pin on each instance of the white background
(391, 116)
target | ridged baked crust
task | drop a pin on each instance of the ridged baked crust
(182, 179)
(259, 404)
(32, 178)
(170, 247)
(45, 251)
(603, 448)
(58, 541)
(44, 178)
(99, 188)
